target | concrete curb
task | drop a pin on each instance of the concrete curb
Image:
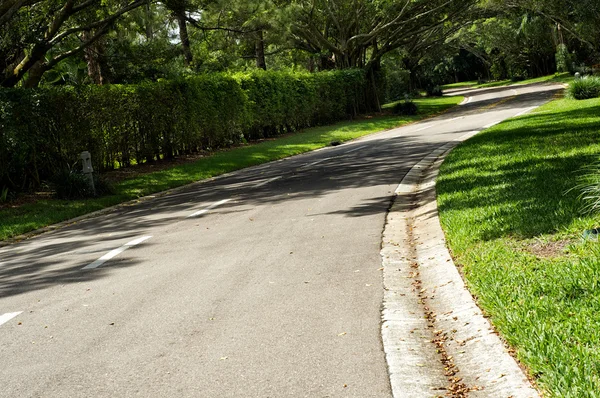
(436, 339)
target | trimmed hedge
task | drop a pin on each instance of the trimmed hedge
(42, 131)
(280, 102)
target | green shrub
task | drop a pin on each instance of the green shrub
(281, 102)
(397, 84)
(434, 91)
(4, 195)
(406, 108)
(70, 184)
(73, 184)
(43, 130)
(585, 88)
(564, 59)
(589, 188)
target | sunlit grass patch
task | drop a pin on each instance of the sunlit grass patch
(513, 222)
(556, 78)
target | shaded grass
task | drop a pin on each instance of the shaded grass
(459, 85)
(506, 191)
(28, 217)
(556, 78)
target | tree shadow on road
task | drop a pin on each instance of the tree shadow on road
(44, 262)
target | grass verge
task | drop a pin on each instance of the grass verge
(557, 78)
(28, 217)
(469, 84)
(512, 223)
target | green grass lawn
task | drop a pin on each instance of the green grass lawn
(460, 85)
(515, 227)
(28, 217)
(558, 78)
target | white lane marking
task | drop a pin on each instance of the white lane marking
(526, 111)
(314, 163)
(207, 209)
(425, 127)
(515, 91)
(487, 126)
(468, 135)
(466, 101)
(8, 316)
(268, 181)
(456, 118)
(356, 149)
(116, 252)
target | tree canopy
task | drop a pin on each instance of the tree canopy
(127, 41)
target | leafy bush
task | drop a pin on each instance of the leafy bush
(70, 184)
(280, 102)
(406, 107)
(4, 195)
(564, 59)
(73, 184)
(585, 88)
(434, 91)
(397, 83)
(43, 129)
(589, 188)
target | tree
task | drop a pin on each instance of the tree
(358, 33)
(38, 34)
(578, 18)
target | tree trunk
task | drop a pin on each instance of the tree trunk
(35, 75)
(410, 66)
(375, 95)
(185, 39)
(92, 57)
(148, 22)
(311, 64)
(259, 47)
(27, 62)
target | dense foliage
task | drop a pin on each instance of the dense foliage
(585, 88)
(43, 130)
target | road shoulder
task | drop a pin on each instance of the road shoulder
(436, 339)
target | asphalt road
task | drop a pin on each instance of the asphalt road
(263, 283)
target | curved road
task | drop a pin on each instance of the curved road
(263, 283)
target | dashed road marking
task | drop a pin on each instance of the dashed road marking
(356, 149)
(8, 316)
(314, 163)
(425, 127)
(207, 209)
(466, 101)
(116, 252)
(525, 111)
(270, 180)
(487, 126)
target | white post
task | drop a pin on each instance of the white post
(86, 161)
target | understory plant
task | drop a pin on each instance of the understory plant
(589, 188)
(585, 88)
(406, 108)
